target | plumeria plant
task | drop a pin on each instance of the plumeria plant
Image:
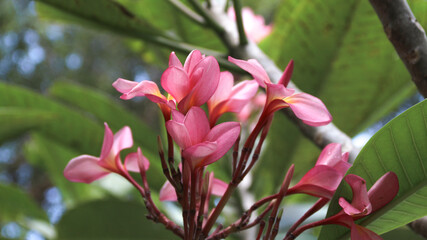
(196, 95)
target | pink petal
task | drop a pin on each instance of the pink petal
(204, 81)
(253, 67)
(320, 181)
(175, 81)
(192, 60)
(360, 204)
(174, 61)
(362, 233)
(167, 192)
(122, 140)
(108, 142)
(384, 190)
(179, 133)
(225, 135)
(133, 89)
(197, 152)
(309, 109)
(197, 124)
(331, 156)
(275, 95)
(135, 159)
(123, 85)
(287, 74)
(223, 90)
(84, 169)
(218, 187)
(244, 90)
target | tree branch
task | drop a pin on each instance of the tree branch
(407, 36)
(321, 136)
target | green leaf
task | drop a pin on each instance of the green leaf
(399, 147)
(104, 109)
(104, 14)
(110, 219)
(20, 120)
(16, 205)
(69, 128)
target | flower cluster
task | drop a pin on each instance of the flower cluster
(202, 141)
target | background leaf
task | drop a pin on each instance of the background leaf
(16, 205)
(110, 219)
(398, 147)
(20, 120)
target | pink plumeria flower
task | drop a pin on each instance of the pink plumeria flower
(324, 178)
(229, 98)
(194, 83)
(200, 144)
(86, 168)
(254, 25)
(254, 105)
(189, 85)
(306, 107)
(364, 203)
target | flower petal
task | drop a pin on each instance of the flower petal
(287, 74)
(331, 156)
(122, 140)
(84, 169)
(360, 204)
(253, 67)
(218, 187)
(309, 109)
(135, 159)
(197, 124)
(225, 135)
(197, 152)
(320, 181)
(123, 85)
(167, 192)
(192, 60)
(107, 143)
(384, 190)
(223, 90)
(175, 81)
(174, 61)
(179, 133)
(203, 81)
(132, 89)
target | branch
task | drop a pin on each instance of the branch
(240, 28)
(321, 136)
(407, 36)
(419, 226)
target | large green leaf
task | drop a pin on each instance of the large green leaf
(110, 219)
(16, 205)
(104, 109)
(20, 120)
(399, 147)
(105, 14)
(69, 128)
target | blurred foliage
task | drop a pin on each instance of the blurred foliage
(340, 51)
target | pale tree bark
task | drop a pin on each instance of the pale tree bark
(410, 42)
